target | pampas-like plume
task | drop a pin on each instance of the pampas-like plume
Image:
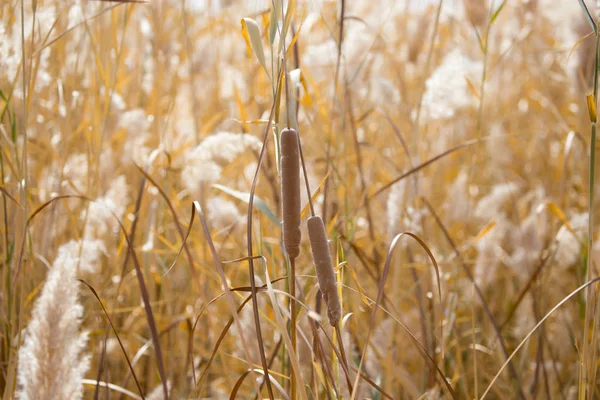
(290, 191)
(325, 274)
(52, 361)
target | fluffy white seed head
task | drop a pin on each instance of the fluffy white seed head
(52, 360)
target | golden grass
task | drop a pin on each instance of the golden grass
(461, 124)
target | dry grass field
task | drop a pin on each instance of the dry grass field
(172, 171)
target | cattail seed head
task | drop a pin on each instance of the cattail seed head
(290, 192)
(323, 265)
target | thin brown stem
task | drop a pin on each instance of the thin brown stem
(343, 354)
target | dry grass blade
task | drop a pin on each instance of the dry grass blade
(183, 236)
(137, 383)
(294, 359)
(478, 292)
(525, 289)
(271, 360)
(340, 354)
(142, 285)
(111, 386)
(534, 329)
(337, 352)
(29, 221)
(56, 39)
(228, 325)
(419, 167)
(428, 357)
(249, 244)
(142, 350)
(241, 379)
(386, 270)
(149, 317)
(196, 208)
(132, 232)
(5, 193)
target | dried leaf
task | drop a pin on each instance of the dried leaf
(251, 34)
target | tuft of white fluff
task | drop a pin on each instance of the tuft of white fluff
(75, 173)
(491, 205)
(458, 204)
(157, 393)
(562, 16)
(490, 252)
(205, 162)
(100, 220)
(10, 45)
(447, 90)
(135, 148)
(223, 213)
(396, 204)
(569, 243)
(52, 360)
(224, 147)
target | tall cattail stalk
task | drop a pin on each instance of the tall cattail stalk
(291, 209)
(326, 278)
(323, 265)
(290, 192)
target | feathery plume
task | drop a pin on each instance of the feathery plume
(52, 361)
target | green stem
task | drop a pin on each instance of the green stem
(590, 238)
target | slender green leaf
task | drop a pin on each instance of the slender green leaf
(245, 197)
(497, 12)
(480, 40)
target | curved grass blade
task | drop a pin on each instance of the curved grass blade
(137, 383)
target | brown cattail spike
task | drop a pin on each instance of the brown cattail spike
(290, 192)
(325, 274)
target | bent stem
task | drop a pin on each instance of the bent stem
(338, 333)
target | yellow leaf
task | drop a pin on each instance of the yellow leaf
(484, 231)
(290, 48)
(356, 282)
(251, 35)
(577, 44)
(591, 103)
(556, 210)
(314, 196)
(472, 87)
(246, 39)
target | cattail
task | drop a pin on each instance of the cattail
(325, 274)
(290, 191)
